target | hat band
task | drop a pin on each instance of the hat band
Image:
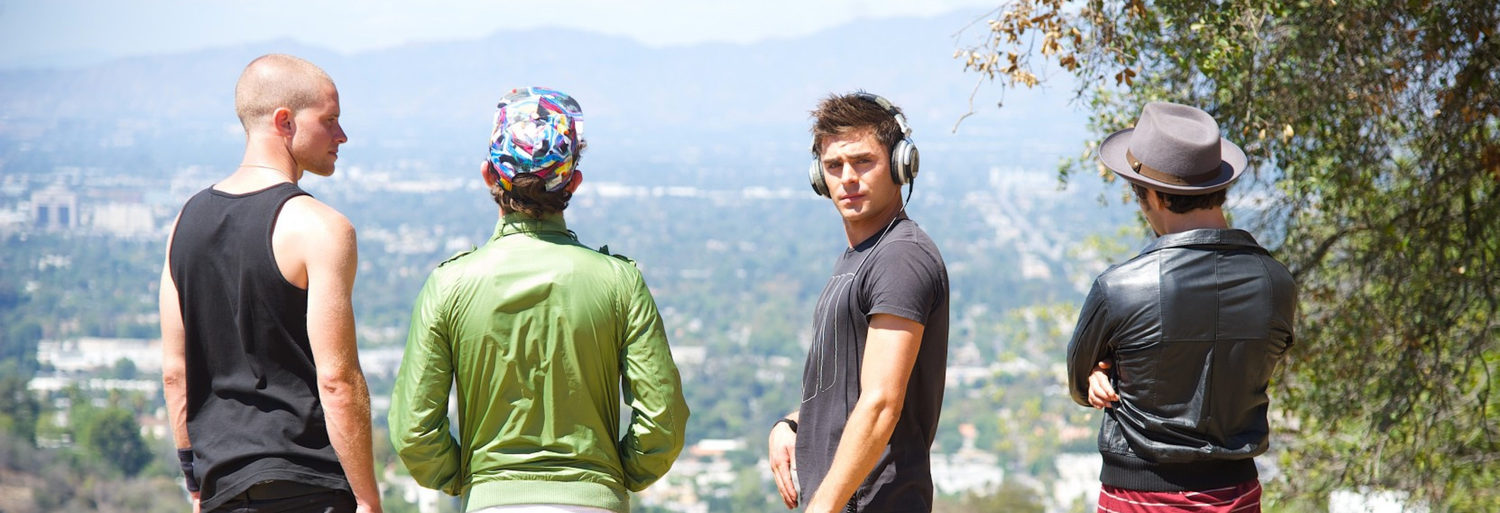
(1152, 173)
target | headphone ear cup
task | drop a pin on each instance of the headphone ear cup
(815, 178)
(913, 162)
(904, 162)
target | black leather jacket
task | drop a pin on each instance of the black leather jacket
(1195, 326)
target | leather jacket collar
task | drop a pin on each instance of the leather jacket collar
(1206, 237)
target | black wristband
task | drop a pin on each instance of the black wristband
(185, 460)
(789, 422)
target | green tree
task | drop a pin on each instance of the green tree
(20, 334)
(124, 368)
(1374, 128)
(19, 409)
(1009, 497)
(748, 493)
(112, 435)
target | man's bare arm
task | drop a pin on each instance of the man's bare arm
(173, 352)
(332, 259)
(173, 355)
(890, 353)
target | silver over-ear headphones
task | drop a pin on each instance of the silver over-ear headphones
(904, 158)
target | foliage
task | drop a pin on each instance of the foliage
(19, 336)
(19, 410)
(1011, 497)
(124, 368)
(61, 285)
(1028, 418)
(34, 480)
(1375, 129)
(112, 435)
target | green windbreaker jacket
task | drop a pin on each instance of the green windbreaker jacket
(540, 333)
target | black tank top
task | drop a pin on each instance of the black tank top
(253, 412)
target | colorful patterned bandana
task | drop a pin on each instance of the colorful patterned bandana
(537, 131)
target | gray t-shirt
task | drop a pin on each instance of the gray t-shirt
(901, 274)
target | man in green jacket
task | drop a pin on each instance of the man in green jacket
(540, 333)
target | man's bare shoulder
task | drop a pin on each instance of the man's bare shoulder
(305, 216)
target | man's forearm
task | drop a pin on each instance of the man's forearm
(173, 359)
(865, 436)
(346, 407)
(174, 390)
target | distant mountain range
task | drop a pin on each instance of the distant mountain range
(433, 101)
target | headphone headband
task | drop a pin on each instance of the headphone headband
(889, 108)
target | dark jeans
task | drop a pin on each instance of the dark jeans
(289, 497)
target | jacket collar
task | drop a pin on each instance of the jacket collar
(1205, 237)
(516, 222)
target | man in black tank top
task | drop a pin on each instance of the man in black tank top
(268, 405)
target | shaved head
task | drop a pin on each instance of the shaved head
(274, 81)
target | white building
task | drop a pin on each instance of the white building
(91, 353)
(381, 361)
(966, 471)
(124, 219)
(54, 208)
(1077, 478)
(1373, 501)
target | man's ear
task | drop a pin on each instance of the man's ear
(1159, 201)
(281, 122)
(484, 171)
(1147, 200)
(575, 181)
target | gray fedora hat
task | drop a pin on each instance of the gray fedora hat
(1175, 149)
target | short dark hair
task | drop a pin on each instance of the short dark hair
(528, 195)
(1182, 203)
(841, 114)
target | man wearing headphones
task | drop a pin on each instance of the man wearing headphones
(872, 386)
(540, 334)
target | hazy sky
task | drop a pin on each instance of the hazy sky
(69, 32)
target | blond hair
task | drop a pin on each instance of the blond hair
(274, 81)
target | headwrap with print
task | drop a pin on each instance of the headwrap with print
(537, 131)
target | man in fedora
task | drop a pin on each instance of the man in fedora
(1178, 344)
